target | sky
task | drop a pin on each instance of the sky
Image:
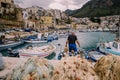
(52, 4)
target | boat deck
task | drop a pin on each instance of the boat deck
(95, 54)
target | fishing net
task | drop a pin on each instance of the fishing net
(108, 67)
(74, 68)
(33, 69)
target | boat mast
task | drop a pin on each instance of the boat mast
(118, 29)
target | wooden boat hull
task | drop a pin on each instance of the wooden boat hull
(36, 53)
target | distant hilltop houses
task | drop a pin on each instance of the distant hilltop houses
(10, 14)
(38, 18)
(106, 23)
(35, 17)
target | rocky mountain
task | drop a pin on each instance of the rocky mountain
(70, 12)
(96, 8)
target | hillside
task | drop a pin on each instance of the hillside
(96, 8)
(70, 12)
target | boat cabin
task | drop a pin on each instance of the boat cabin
(116, 45)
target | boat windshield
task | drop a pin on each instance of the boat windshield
(115, 45)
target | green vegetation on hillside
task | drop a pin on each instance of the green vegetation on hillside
(97, 8)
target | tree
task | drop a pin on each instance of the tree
(96, 20)
(75, 26)
(68, 21)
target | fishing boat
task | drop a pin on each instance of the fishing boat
(93, 55)
(6, 43)
(10, 44)
(36, 41)
(12, 53)
(110, 47)
(42, 51)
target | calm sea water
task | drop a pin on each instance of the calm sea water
(88, 40)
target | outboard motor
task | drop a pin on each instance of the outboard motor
(49, 39)
(13, 53)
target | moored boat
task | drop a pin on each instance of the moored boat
(110, 47)
(10, 44)
(42, 51)
(94, 55)
(36, 41)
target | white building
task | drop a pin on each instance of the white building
(25, 15)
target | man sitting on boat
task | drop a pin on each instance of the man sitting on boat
(71, 42)
(13, 53)
(2, 39)
(107, 45)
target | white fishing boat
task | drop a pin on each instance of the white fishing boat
(10, 44)
(36, 41)
(110, 47)
(42, 51)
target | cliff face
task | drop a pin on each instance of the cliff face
(101, 3)
(70, 12)
(96, 8)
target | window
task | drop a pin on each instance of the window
(3, 4)
(115, 45)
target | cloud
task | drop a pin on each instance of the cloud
(29, 3)
(68, 4)
(57, 6)
(54, 4)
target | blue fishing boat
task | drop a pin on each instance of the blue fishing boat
(93, 55)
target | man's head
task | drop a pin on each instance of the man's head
(72, 33)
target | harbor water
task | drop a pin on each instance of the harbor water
(88, 40)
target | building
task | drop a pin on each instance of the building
(10, 15)
(47, 21)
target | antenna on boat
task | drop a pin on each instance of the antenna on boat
(60, 46)
(118, 28)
